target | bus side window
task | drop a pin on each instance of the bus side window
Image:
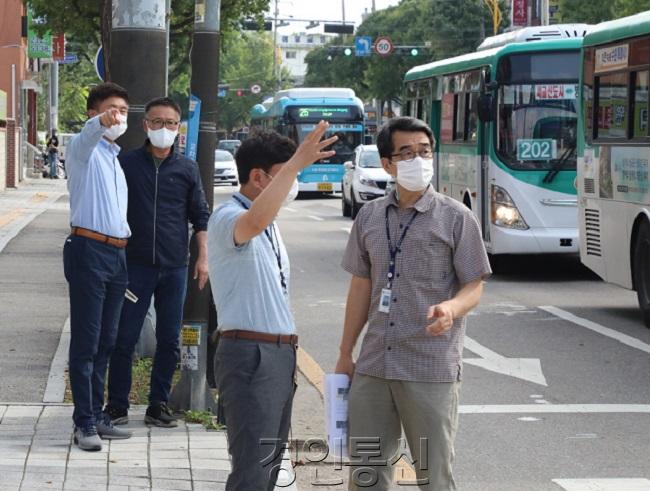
(641, 92)
(472, 117)
(419, 109)
(613, 111)
(460, 103)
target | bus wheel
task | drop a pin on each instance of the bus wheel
(641, 270)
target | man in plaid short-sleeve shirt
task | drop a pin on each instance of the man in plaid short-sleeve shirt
(417, 261)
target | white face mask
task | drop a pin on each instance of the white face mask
(162, 138)
(416, 174)
(117, 130)
(293, 192)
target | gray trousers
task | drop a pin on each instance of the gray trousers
(256, 386)
(378, 408)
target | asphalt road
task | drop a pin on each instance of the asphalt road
(546, 396)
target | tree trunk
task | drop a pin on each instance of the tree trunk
(106, 12)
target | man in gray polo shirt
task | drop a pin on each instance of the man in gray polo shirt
(417, 261)
(249, 274)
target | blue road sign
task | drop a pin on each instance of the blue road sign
(70, 58)
(99, 64)
(363, 45)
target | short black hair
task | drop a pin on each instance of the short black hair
(99, 93)
(163, 101)
(262, 150)
(404, 123)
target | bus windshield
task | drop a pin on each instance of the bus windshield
(350, 137)
(537, 125)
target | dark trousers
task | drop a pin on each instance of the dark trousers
(97, 278)
(256, 387)
(168, 286)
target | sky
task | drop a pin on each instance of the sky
(324, 10)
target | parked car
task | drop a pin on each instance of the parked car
(364, 180)
(225, 170)
(229, 145)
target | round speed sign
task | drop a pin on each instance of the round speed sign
(256, 89)
(384, 46)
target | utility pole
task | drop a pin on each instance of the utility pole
(191, 392)
(276, 12)
(54, 96)
(137, 58)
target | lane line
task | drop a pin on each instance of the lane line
(347, 229)
(605, 331)
(313, 217)
(554, 408)
(600, 484)
(55, 388)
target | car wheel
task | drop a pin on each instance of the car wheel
(346, 208)
(354, 205)
(641, 270)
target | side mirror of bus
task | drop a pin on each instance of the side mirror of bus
(486, 108)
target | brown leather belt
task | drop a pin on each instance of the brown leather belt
(106, 239)
(260, 336)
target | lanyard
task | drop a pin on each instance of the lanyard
(276, 252)
(394, 250)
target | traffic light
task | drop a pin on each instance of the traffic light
(414, 51)
(339, 28)
(253, 25)
(347, 51)
(240, 92)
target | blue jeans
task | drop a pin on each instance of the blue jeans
(97, 278)
(168, 286)
(54, 164)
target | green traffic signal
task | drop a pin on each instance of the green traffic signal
(414, 52)
(347, 51)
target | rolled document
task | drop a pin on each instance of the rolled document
(337, 387)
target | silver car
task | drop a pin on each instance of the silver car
(364, 180)
(225, 170)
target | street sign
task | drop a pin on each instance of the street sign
(363, 45)
(384, 46)
(100, 69)
(256, 89)
(58, 47)
(70, 58)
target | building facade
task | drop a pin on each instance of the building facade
(293, 48)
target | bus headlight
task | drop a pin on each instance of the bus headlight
(504, 210)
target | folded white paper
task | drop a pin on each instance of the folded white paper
(337, 387)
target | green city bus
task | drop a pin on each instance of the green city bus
(505, 122)
(614, 155)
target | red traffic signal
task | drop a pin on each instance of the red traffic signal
(240, 92)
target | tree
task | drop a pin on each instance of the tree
(247, 60)
(587, 11)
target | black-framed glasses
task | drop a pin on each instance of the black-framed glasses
(157, 123)
(408, 154)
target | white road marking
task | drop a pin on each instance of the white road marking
(605, 331)
(541, 401)
(554, 408)
(55, 388)
(346, 229)
(313, 217)
(536, 396)
(292, 210)
(529, 369)
(604, 484)
(528, 419)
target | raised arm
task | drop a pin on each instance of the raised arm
(267, 205)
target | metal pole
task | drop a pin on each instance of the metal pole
(343, 10)
(168, 15)
(13, 91)
(191, 392)
(138, 58)
(275, 43)
(54, 96)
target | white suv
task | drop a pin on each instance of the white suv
(364, 180)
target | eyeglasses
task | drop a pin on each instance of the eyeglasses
(156, 124)
(407, 154)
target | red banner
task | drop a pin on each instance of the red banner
(520, 13)
(58, 47)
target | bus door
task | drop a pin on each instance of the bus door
(487, 116)
(435, 127)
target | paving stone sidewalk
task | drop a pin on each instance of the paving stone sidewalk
(37, 452)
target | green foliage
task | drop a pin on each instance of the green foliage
(205, 418)
(247, 60)
(595, 11)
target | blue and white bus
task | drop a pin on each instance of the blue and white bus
(295, 112)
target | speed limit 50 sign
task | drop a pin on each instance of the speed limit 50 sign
(384, 46)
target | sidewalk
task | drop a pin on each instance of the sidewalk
(36, 452)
